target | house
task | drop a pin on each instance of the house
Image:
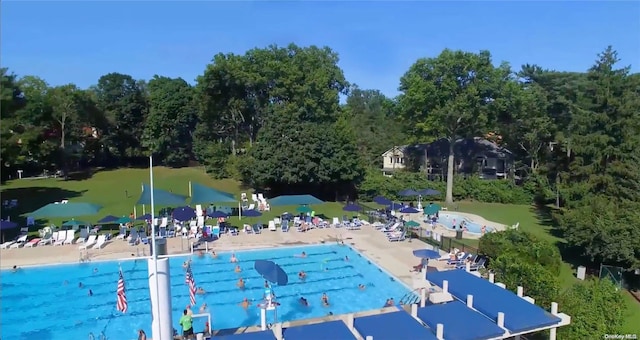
(472, 156)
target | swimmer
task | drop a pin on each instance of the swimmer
(90, 292)
(186, 264)
(266, 284)
(330, 314)
(80, 285)
(325, 299)
(238, 269)
(95, 270)
(389, 303)
(201, 253)
(245, 303)
(362, 287)
(240, 283)
(302, 275)
(346, 258)
(142, 335)
(304, 302)
(14, 269)
(200, 291)
(234, 259)
(214, 255)
(203, 308)
(303, 255)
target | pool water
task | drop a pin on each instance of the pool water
(452, 220)
(46, 303)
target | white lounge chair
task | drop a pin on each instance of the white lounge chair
(254, 197)
(335, 222)
(71, 235)
(7, 244)
(102, 240)
(199, 210)
(48, 240)
(84, 234)
(285, 226)
(89, 243)
(19, 242)
(32, 243)
(62, 236)
(272, 225)
(251, 207)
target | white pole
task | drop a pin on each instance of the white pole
(190, 189)
(154, 247)
(239, 210)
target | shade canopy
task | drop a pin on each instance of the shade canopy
(217, 214)
(160, 197)
(74, 223)
(294, 200)
(408, 193)
(108, 219)
(6, 225)
(412, 224)
(409, 210)
(271, 272)
(66, 210)
(382, 200)
(123, 220)
(428, 192)
(395, 206)
(251, 213)
(303, 209)
(183, 213)
(426, 254)
(432, 209)
(204, 194)
(352, 207)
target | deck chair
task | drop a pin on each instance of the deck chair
(19, 242)
(285, 226)
(91, 241)
(272, 225)
(257, 228)
(123, 233)
(71, 235)
(102, 240)
(7, 244)
(254, 197)
(215, 232)
(84, 234)
(62, 236)
(198, 210)
(247, 229)
(251, 207)
(32, 243)
(48, 239)
(134, 238)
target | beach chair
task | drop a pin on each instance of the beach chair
(32, 243)
(19, 242)
(251, 207)
(48, 239)
(91, 241)
(475, 266)
(84, 234)
(285, 226)
(134, 238)
(396, 237)
(199, 210)
(7, 244)
(101, 241)
(394, 227)
(247, 229)
(254, 197)
(257, 228)
(123, 233)
(272, 225)
(62, 236)
(215, 232)
(71, 235)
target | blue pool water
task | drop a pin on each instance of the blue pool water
(37, 303)
(451, 220)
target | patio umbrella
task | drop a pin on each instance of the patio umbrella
(6, 225)
(426, 254)
(303, 209)
(394, 206)
(432, 209)
(66, 210)
(412, 224)
(271, 272)
(184, 213)
(123, 220)
(429, 192)
(108, 219)
(409, 210)
(144, 217)
(382, 200)
(352, 207)
(217, 214)
(73, 223)
(408, 193)
(251, 213)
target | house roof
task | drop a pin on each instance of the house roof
(440, 148)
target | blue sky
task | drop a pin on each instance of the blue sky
(77, 42)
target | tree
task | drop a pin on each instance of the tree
(450, 96)
(171, 119)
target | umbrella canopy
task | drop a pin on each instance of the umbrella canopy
(251, 213)
(429, 192)
(184, 213)
(204, 194)
(294, 200)
(426, 254)
(408, 192)
(271, 272)
(217, 214)
(6, 225)
(123, 220)
(160, 197)
(394, 206)
(431, 209)
(409, 210)
(66, 210)
(144, 217)
(74, 223)
(352, 207)
(303, 209)
(382, 200)
(108, 219)
(412, 224)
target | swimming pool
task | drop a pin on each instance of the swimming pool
(37, 303)
(451, 220)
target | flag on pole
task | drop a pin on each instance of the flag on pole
(192, 286)
(122, 304)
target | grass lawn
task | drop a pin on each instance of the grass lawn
(118, 190)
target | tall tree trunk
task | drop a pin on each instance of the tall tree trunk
(63, 152)
(450, 165)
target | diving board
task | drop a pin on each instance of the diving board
(319, 331)
(392, 326)
(459, 322)
(490, 299)
(262, 335)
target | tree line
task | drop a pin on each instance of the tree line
(273, 118)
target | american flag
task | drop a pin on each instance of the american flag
(122, 304)
(192, 286)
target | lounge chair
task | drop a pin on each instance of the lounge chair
(62, 236)
(32, 243)
(123, 233)
(396, 237)
(474, 266)
(251, 206)
(48, 239)
(392, 228)
(19, 242)
(272, 225)
(257, 228)
(247, 228)
(71, 235)
(89, 243)
(215, 232)
(335, 222)
(134, 238)
(7, 244)
(199, 210)
(285, 226)
(101, 241)
(84, 234)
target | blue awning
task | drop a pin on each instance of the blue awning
(394, 325)
(459, 322)
(201, 194)
(160, 197)
(294, 200)
(319, 331)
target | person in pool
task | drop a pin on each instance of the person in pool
(204, 308)
(238, 269)
(80, 285)
(302, 275)
(90, 292)
(240, 283)
(14, 269)
(233, 259)
(325, 299)
(346, 258)
(186, 264)
(214, 255)
(389, 303)
(303, 255)
(142, 335)
(245, 303)
(200, 291)
(201, 253)
(362, 287)
(304, 302)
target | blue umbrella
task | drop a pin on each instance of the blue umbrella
(429, 192)
(394, 206)
(184, 213)
(6, 225)
(382, 200)
(108, 219)
(352, 207)
(426, 254)
(144, 217)
(271, 272)
(217, 214)
(408, 192)
(409, 210)
(251, 213)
